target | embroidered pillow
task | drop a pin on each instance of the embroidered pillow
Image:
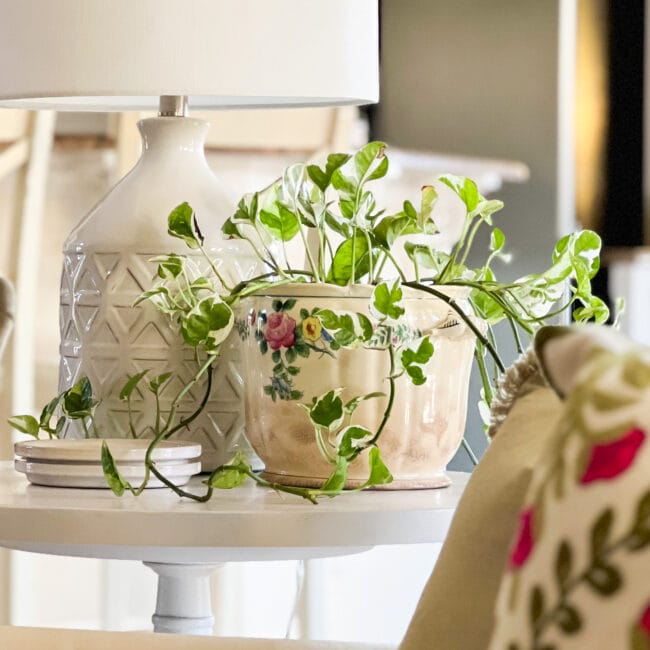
(578, 573)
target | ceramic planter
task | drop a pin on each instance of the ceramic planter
(288, 359)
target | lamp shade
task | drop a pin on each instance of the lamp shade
(123, 54)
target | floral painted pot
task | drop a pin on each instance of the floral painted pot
(290, 358)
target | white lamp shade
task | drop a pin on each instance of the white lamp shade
(123, 54)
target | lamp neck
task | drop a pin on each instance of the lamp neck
(173, 138)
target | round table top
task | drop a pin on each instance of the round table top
(243, 524)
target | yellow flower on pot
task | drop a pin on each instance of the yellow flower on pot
(311, 328)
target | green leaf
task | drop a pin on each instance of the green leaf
(78, 401)
(156, 383)
(353, 438)
(48, 412)
(285, 225)
(169, 266)
(159, 297)
(321, 178)
(130, 385)
(25, 424)
(412, 360)
(389, 229)
(465, 188)
(231, 475)
(370, 162)
(563, 563)
(497, 240)
(336, 481)
(327, 411)
(208, 324)
(181, 223)
(289, 304)
(428, 198)
(600, 531)
(111, 474)
(422, 355)
(379, 473)
(385, 300)
(351, 406)
(341, 271)
(568, 619)
(604, 579)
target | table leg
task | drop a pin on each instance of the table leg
(183, 602)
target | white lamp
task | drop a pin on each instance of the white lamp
(100, 55)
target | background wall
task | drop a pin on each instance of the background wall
(481, 78)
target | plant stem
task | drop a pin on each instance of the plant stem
(468, 321)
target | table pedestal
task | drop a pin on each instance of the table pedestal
(183, 603)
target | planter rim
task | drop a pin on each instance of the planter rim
(323, 290)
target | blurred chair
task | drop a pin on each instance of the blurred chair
(25, 146)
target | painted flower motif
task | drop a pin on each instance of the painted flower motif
(640, 637)
(311, 328)
(280, 330)
(252, 317)
(525, 540)
(607, 461)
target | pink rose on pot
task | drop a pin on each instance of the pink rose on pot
(608, 460)
(525, 541)
(280, 330)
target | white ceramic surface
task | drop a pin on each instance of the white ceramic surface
(106, 268)
(90, 450)
(91, 475)
(427, 422)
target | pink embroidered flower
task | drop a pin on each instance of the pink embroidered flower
(608, 460)
(525, 540)
(280, 330)
(644, 622)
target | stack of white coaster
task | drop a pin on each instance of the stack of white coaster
(78, 463)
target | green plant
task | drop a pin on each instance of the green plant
(347, 240)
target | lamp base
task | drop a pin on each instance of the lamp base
(107, 267)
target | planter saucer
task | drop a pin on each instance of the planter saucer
(89, 450)
(82, 475)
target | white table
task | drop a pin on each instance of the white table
(184, 541)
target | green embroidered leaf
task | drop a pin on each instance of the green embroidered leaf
(25, 424)
(111, 474)
(604, 579)
(385, 300)
(181, 223)
(536, 605)
(563, 563)
(568, 619)
(327, 410)
(600, 531)
(131, 384)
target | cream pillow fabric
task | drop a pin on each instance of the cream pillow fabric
(455, 611)
(578, 573)
(24, 638)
